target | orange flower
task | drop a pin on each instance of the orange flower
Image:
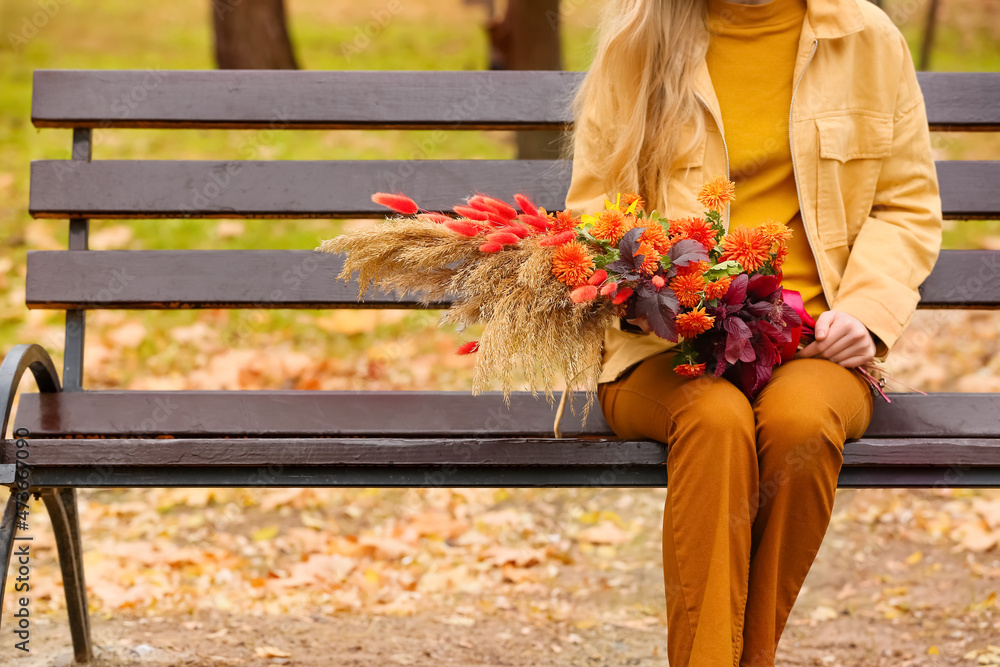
(565, 221)
(696, 229)
(611, 225)
(698, 267)
(779, 258)
(655, 236)
(651, 260)
(690, 370)
(629, 197)
(572, 264)
(688, 288)
(718, 288)
(693, 322)
(717, 193)
(658, 282)
(775, 232)
(748, 246)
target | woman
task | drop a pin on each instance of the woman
(814, 111)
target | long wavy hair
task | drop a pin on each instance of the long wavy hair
(638, 94)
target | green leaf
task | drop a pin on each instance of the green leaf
(730, 267)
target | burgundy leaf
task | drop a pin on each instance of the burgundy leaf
(659, 307)
(737, 291)
(686, 251)
(761, 286)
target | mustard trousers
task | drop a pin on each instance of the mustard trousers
(750, 493)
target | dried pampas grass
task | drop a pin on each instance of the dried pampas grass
(529, 322)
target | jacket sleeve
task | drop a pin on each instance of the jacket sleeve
(898, 244)
(586, 192)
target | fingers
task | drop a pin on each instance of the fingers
(845, 340)
(810, 350)
(823, 324)
(852, 362)
(640, 322)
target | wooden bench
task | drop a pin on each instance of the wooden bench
(86, 438)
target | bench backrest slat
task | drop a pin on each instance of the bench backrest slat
(384, 99)
(308, 189)
(168, 279)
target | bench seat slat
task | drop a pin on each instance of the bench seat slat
(342, 188)
(169, 279)
(300, 413)
(353, 99)
(881, 476)
(453, 452)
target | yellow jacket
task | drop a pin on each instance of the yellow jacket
(861, 152)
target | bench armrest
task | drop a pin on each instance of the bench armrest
(19, 359)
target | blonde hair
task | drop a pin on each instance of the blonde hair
(639, 93)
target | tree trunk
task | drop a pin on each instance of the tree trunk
(251, 34)
(527, 38)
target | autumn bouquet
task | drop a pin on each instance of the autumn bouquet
(546, 286)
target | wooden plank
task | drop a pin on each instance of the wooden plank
(279, 188)
(170, 279)
(301, 100)
(472, 453)
(415, 414)
(342, 188)
(384, 99)
(488, 477)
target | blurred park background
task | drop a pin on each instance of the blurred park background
(464, 577)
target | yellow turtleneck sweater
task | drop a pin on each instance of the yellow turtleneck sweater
(751, 57)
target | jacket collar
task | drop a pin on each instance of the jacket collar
(825, 19)
(829, 19)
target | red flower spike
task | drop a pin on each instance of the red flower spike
(526, 204)
(599, 277)
(496, 219)
(609, 289)
(397, 202)
(463, 227)
(478, 202)
(537, 221)
(501, 207)
(471, 213)
(503, 238)
(468, 347)
(558, 239)
(583, 294)
(622, 295)
(434, 217)
(490, 246)
(522, 231)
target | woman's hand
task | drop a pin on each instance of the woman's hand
(640, 322)
(842, 339)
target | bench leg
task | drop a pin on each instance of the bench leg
(61, 504)
(8, 528)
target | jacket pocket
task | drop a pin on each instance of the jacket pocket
(852, 145)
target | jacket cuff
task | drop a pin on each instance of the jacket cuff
(879, 320)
